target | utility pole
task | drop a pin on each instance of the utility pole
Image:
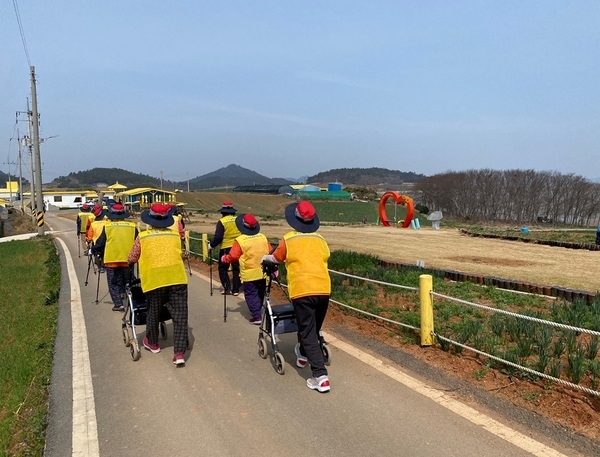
(188, 181)
(10, 198)
(38, 161)
(161, 179)
(20, 175)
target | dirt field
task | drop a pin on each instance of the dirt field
(450, 250)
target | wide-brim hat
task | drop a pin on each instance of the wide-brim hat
(302, 217)
(117, 211)
(99, 212)
(247, 224)
(227, 208)
(158, 216)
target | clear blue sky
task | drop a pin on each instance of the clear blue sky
(293, 88)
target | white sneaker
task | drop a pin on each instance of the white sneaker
(321, 383)
(301, 361)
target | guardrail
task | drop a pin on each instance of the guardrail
(579, 357)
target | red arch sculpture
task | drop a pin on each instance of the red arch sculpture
(403, 200)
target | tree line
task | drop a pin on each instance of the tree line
(520, 196)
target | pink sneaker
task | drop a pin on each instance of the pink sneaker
(154, 348)
(179, 359)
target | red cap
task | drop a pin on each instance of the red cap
(305, 211)
(159, 209)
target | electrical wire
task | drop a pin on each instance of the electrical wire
(16, 6)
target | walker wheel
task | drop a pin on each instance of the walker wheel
(279, 363)
(134, 349)
(125, 332)
(262, 347)
(162, 329)
(326, 354)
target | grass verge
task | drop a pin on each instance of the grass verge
(30, 272)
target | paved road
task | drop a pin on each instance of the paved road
(227, 401)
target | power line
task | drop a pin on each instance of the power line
(16, 6)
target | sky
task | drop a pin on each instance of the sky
(180, 88)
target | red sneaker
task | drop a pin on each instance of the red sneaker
(154, 348)
(179, 359)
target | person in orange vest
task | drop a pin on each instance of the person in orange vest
(249, 249)
(306, 254)
(163, 278)
(113, 246)
(225, 233)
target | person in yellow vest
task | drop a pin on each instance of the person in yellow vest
(225, 233)
(178, 225)
(306, 254)
(163, 278)
(84, 217)
(94, 230)
(249, 249)
(113, 246)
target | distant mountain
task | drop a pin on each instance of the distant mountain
(90, 179)
(4, 179)
(232, 176)
(368, 177)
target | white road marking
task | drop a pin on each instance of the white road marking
(512, 436)
(85, 429)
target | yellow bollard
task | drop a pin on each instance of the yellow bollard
(425, 288)
(205, 252)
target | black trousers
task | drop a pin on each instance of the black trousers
(310, 314)
(176, 300)
(228, 284)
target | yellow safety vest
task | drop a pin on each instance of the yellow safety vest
(254, 247)
(84, 218)
(97, 227)
(306, 264)
(160, 262)
(120, 236)
(231, 231)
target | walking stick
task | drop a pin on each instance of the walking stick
(88, 272)
(98, 284)
(210, 262)
(224, 306)
(187, 251)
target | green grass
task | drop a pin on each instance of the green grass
(30, 272)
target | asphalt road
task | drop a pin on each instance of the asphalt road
(227, 401)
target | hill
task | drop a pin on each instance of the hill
(89, 179)
(232, 176)
(368, 177)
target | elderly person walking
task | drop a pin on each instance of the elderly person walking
(113, 246)
(306, 253)
(249, 249)
(226, 232)
(163, 278)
